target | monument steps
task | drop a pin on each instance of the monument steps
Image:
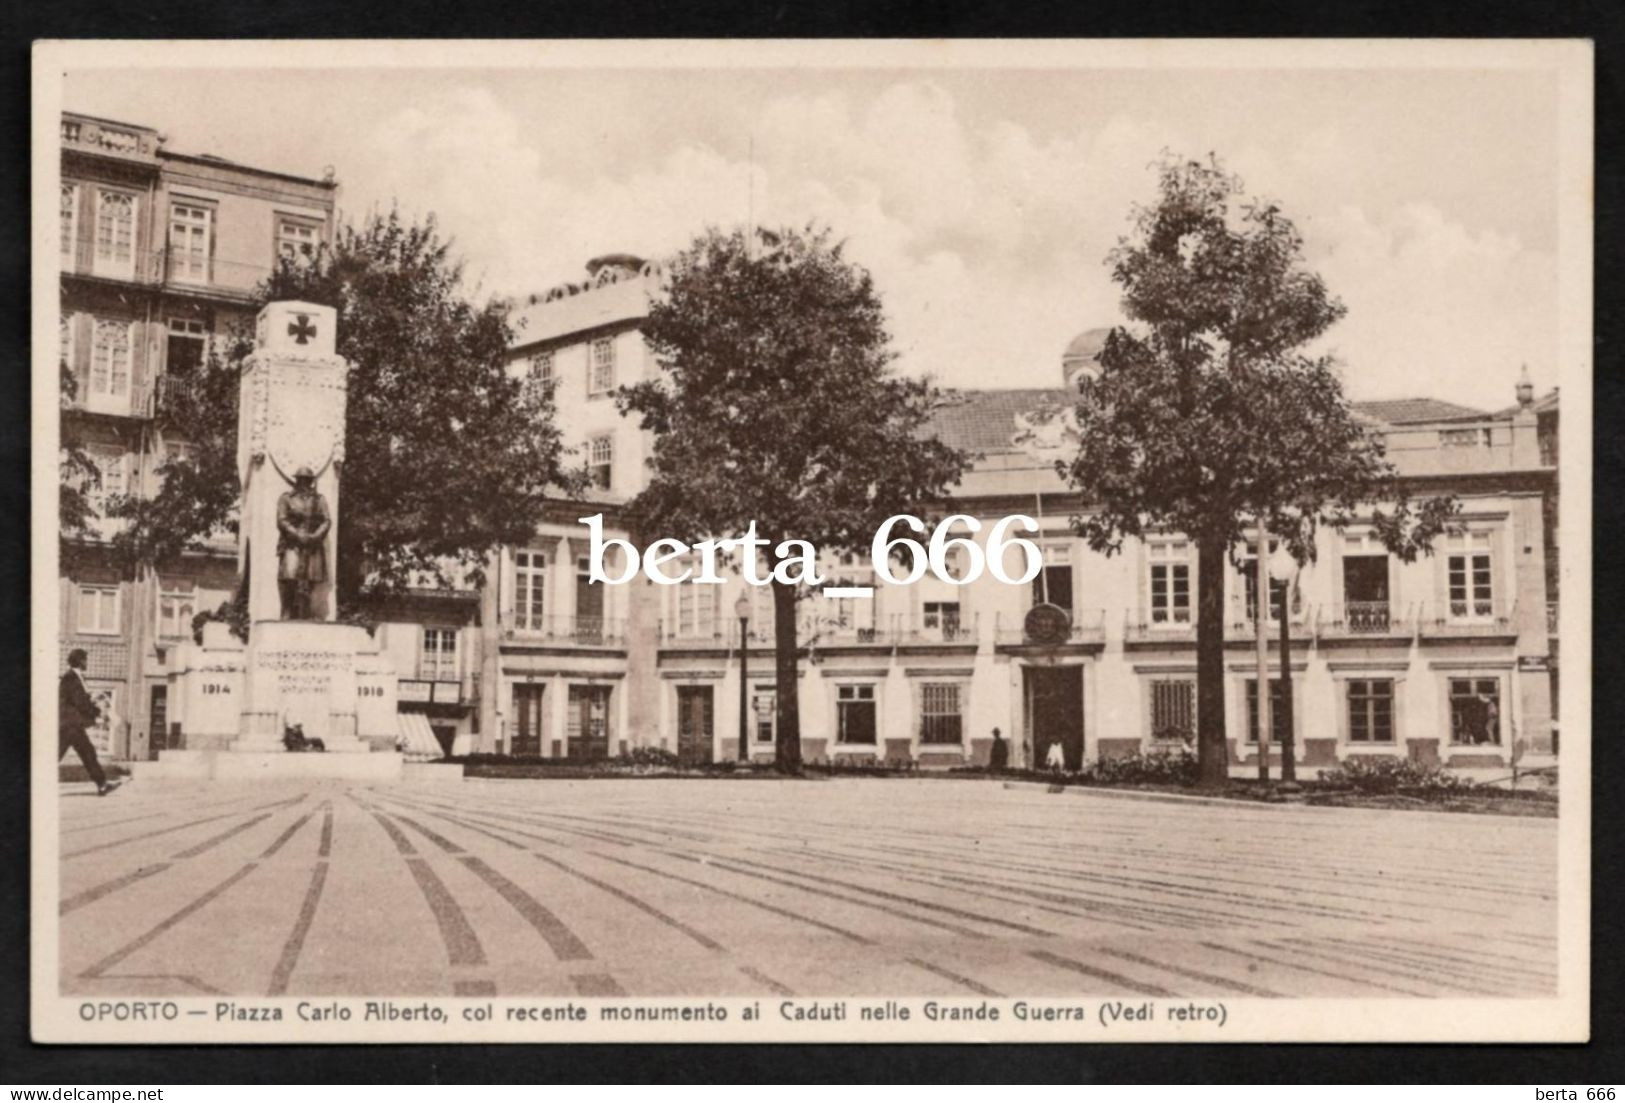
(268, 766)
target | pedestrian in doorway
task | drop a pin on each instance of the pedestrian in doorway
(999, 757)
(76, 712)
(1055, 757)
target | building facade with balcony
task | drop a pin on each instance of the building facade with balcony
(161, 253)
(1444, 660)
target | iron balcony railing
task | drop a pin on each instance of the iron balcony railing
(941, 629)
(1465, 618)
(170, 393)
(1362, 618)
(1087, 626)
(583, 631)
(1143, 627)
(816, 629)
(673, 634)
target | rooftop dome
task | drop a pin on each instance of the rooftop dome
(1082, 356)
(628, 261)
(1085, 347)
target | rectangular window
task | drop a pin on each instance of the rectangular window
(438, 661)
(177, 604)
(112, 480)
(1277, 719)
(295, 240)
(98, 610)
(1464, 438)
(589, 626)
(1371, 710)
(190, 228)
(1249, 576)
(115, 233)
(941, 617)
(1468, 576)
(697, 610)
(529, 588)
(187, 342)
(1170, 582)
(601, 373)
(940, 719)
(541, 367)
(65, 351)
(69, 224)
(601, 460)
(855, 708)
(110, 360)
(1475, 711)
(1053, 585)
(765, 706)
(1173, 710)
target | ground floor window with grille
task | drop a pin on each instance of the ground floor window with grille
(1371, 710)
(1277, 717)
(1475, 711)
(855, 706)
(765, 707)
(940, 718)
(1173, 710)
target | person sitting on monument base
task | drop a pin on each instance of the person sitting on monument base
(302, 524)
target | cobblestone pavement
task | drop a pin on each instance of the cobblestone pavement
(852, 887)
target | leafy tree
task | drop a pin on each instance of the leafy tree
(1207, 414)
(448, 455)
(776, 405)
(78, 474)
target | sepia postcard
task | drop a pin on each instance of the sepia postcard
(790, 541)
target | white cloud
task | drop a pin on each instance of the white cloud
(987, 240)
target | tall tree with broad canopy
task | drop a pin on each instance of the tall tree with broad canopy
(448, 453)
(776, 404)
(1207, 415)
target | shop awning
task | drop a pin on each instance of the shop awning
(417, 738)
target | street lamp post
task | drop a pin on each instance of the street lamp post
(1284, 569)
(742, 611)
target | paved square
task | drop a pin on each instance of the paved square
(852, 887)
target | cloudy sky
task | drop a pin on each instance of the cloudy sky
(984, 200)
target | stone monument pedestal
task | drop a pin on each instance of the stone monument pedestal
(231, 704)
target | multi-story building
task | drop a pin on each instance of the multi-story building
(161, 255)
(1446, 659)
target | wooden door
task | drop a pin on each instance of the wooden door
(694, 724)
(527, 705)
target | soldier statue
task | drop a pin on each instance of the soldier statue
(302, 524)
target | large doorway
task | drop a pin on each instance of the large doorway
(1054, 712)
(694, 724)
(588, 733)
(527, 707)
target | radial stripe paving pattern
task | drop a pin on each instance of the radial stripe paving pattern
(852, 887)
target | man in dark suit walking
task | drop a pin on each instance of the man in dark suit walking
(76, 712)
